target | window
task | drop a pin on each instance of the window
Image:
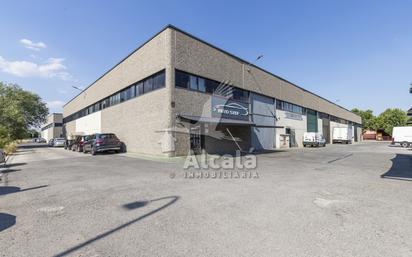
(193, 82)
(90, 109)
(105, 103)
(97, 107)
(123, 95)
(211, 86)
(148, 85)
(240, 94)
(323, 115)
(201, 85)
(285, 106)
(139, 89)
(107, 136)
(196, 83)
(182, 79)
(159, 81)
(115, 99)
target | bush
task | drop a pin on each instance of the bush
(10, 148)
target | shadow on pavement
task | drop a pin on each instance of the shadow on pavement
(6, 221)
(401, 168)
(135, 205)
(9, 170)
(14, 164)
(172, 200)
(5, 190)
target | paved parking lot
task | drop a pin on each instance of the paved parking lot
(342, 200)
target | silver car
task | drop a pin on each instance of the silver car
(59, 142)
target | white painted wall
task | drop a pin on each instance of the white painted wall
(300, 127)
(89, 124)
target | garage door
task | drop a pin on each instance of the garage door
(312, 117)
(263, 109)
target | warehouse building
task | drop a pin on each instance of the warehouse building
(177, 93)
(53, 127)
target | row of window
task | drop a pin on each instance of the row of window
(196, 83)
(51, 125)
(338, 120)
(200, 84)
(144, 86)
(187, 81)
(285, 106)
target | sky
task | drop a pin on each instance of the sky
(356, 53)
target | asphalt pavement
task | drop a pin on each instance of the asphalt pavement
(341, 200)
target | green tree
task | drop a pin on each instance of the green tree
(20, 111)
(391, 118)
(368, 119)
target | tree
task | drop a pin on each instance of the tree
(20, 111)
(391, 118)
(368, 119)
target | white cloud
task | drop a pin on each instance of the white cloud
(55, 104)
(52, 68)
(27, 43)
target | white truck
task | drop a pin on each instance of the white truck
(313, 139)
(402, 136)
(342, 135)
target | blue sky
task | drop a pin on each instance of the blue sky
(357, 53)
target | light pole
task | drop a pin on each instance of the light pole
(81, 90)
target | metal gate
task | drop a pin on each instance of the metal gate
(196, 139)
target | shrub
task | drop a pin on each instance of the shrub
(10, 148)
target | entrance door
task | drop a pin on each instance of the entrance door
(196, 139)
(326, 129)
(292, 137)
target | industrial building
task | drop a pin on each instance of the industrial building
(53, 127)
(177, 93)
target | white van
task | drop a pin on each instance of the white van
(402, 136)
(342, 135)
(313, 139)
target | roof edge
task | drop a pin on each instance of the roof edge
(215, 47)
(123, 59)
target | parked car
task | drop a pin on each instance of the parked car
(39, 140)
(402, 136)
(102, 142)
(313, 139)
(59, 142)
(342, 135)
(51, 142)
(78, 143)
(2, 156)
